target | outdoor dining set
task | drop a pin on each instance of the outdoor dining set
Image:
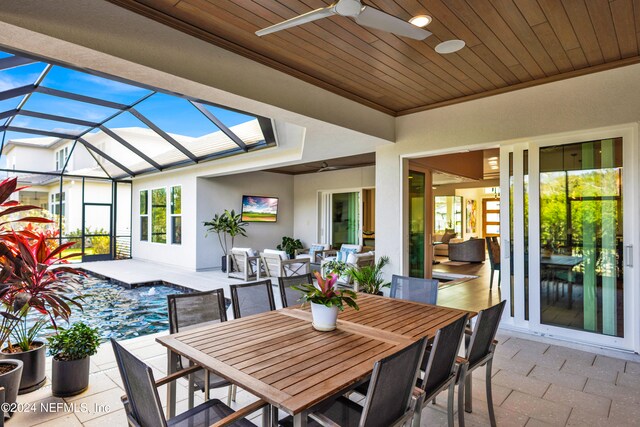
(396, 354)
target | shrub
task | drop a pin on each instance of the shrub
(74, 343)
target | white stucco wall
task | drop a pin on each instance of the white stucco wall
(306, 188)
(214, 195)
(591, 101)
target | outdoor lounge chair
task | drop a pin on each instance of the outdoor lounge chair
(276, 264)
(480, 347)
(315, 254)
(143, 407)
(194, 309)
(243, 264)
(391, 397)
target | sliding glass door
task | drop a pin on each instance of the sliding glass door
(340, 218)
(571, 212)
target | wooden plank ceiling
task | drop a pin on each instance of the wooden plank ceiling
(510, 44)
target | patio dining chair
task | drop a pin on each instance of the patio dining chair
(440, 367)
(288, 295)
(252, 298)
(391, 398)
(143, 407)
(493, 247)
(480, 348)
(414, 289)
(187, 311)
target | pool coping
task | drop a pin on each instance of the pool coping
(136, 284)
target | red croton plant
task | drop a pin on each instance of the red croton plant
(34, 277)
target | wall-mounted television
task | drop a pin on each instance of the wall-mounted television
(259, 209)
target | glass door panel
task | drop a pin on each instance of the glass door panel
(416, 223)
(581, 236)
(345, 218)
(97, 232)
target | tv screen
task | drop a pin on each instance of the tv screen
(259, 209)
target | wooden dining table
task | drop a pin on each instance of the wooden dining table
(280, 358)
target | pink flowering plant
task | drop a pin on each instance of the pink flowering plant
(326, 293)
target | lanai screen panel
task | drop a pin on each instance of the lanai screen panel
(125, 128)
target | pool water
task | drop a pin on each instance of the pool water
(122, 313)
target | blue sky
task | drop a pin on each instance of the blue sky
(170, 113)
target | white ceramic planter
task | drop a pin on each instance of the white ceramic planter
(324, 318)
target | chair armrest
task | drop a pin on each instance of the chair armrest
(240, 414)
(417, 396)
(301, 251)
(295, 261)
(469, 332)
(461, 360)
(176, 375)
(323, 419)
(327, 252)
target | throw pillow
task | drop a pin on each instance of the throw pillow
(343, 254)
(448, 236)
(313, 250)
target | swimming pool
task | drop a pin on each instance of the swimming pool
(123, 313)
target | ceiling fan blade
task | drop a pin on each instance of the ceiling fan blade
(379, 20)
(314, 15)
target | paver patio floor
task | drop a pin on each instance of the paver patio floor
(534, 384)
(536, 381)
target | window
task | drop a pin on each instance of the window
(154, 219)
(176, 215)
(144, 215)
(61, 157)
(57, 206)
(159, 215)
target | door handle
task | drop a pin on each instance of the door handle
(629, 255)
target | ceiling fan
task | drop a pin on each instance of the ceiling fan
(324, 167)
(366, 16)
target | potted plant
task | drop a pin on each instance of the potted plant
(71, 349)
(326, 301)
(290, 245)
(336, 267)
(11, 211)
(34, 281)
(226, 225)
(369, 278)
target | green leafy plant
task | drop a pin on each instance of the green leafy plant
(325, 293)
(289, 245)
(74, 343)
(24, 333)
(336, 267)
(227, 225)
(369, 278)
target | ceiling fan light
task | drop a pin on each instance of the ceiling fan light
(420, 20)
(449, 46)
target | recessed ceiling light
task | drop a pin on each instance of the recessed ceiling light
(449, 46)
(420, 20)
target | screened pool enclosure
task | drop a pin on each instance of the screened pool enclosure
(75, 138)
